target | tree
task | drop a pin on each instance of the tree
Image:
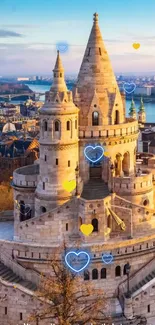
(6, 197)
(70, 300)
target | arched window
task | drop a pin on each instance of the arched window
(94, 274)
(86, 275)
(75, 124)
(116, 117)
(68, 125)
(43, 209)
(103, 273)
(80, 222)
(45, 125)
(57, 126)
(118, 270)
(60, 75)
(95, 224)
(95, 118)
(22, 210)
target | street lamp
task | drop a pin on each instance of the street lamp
(77, 176)
(112, 167)
(127, 271)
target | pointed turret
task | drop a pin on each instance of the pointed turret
(141, 112)
(58, 76)
(96, 73)
(132, 109)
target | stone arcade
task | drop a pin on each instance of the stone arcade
(111, 194)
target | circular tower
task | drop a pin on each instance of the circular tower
(58, 144)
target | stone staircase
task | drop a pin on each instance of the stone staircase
(95, 189)
(143, 282)
(8, 275)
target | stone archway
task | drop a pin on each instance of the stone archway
(118, 165)
(126, 164)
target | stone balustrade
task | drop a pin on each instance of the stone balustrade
(26, 176)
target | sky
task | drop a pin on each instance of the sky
(30, 30)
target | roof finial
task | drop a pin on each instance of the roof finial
(95, 17)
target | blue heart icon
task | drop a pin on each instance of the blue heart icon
(93, 154)
(62, 47)
(77, 261)
(107, 258)
(129, 87)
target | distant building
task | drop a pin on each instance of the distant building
(15, 153)
(9, 110)
(23, 79)
(145, 91)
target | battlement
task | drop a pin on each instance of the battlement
(26, 176)
(133, 184)
(124, 129)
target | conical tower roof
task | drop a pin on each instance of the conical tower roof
(96, 73)
(58, 99)
(59, 83)
(96, 68)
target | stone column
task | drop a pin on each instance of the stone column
(128, 308)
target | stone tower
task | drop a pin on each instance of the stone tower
(102, 116)
(96, 84)
(132, 110)
(141, 112)
(58, 143)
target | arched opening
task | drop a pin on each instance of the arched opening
(118, 271)
(86, 275)
(75, 124)
(57, 126)
(124, 269)
(94, 274)
(95, 118)
(126, 164)
(118, 165)
(45, 125)
(22, 210)
(146, 202)
(103, 273)
(68, 126)
(43, 209)
(95, 225)
(109, 221)
(79, 222)
(116, 120)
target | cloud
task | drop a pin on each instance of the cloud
(7, 33)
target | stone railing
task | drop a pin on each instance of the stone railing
(133, 184)
(106, 131)
(26, 176)
(19, 270)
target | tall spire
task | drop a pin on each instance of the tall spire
(141, 107)
(96, 67)
(59, 84)
(132, 109)
(96, 73)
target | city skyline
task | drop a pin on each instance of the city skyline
(28, 39)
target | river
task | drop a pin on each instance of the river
(149, 107)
